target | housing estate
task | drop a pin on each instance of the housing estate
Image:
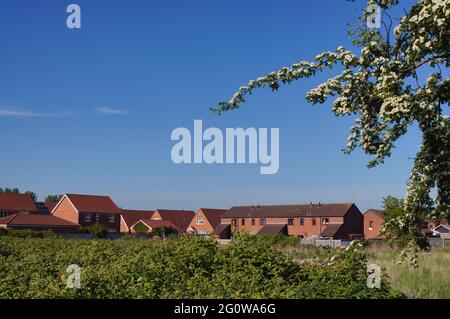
(205, 221)
(87, 210)
(334, 221)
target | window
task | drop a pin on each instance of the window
(199, 220)
(302, 221)
(3, 214)
(233, 221)
(97, 217)
(371, 224)
(262, 221)
(87, 218)
(291, 221)
(242, 221)
(314, 221)
(253, 222)
(112, 218)
(203, 232)
(325, 221)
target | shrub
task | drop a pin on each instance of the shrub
(164, 231)
(98, 230)
(182, 267)
(28, 233)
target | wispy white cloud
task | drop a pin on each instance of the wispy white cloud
(12, 112)
(110, 111)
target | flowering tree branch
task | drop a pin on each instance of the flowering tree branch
(376, 86)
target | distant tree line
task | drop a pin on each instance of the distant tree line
(33, 195)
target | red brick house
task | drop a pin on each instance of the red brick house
(180, 218)
(336, 221)
(205, 221)
(38, 222)
(148, 225)
(373, 223)
(11, 204)
(130, 217)
(87, 210)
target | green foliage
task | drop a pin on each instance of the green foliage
(393, 207)
(164, 231)
(98, 230)
(140, 227)
(400, 233)
(27, 233)
(275, 240)
(182, 267)
(53, 198)
(32, 195)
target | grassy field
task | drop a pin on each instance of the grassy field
(430, 280)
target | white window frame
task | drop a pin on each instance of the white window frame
(87, 217)
(200, 221)
(97, 217)
(112, 218)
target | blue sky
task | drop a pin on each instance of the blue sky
(92, 110)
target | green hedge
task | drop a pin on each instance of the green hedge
(182, 267)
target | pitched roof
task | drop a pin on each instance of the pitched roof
(273, 229)
(93, 204)
(331, 230)
(158, 223)
(376, 212)
(221, 228)
(442, 229)
(213, 215)
(44, 208)
(131, 217)
(16, 202)
(180, 218)
(303, 210)
(35, 220)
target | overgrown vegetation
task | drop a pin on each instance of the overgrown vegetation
(430, 280)
(182, 267)
(100, 231)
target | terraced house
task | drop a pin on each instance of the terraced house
(335, 221)
(12, 203)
